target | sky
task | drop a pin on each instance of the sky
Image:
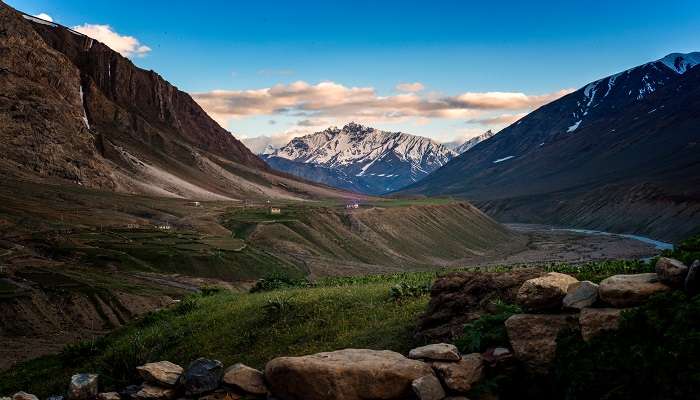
(448, 70)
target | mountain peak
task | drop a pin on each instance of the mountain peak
(681, 62)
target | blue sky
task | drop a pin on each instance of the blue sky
(526, 51)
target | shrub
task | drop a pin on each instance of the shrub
(487, 331)
(404, 290)
(655, 354)
(209, 290)
(186, 305)
(278, 281)
(687, 251)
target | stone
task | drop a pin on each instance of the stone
(24, 396)
(428, 388)
(460, 376)
(630, 290)
(461, 297)
(55, 397)
(160, 373)
(533, 337)
(245, 378)
(671, 272)
(349, 374)
(580, 295)
(545, 292)
(455, 398)
(150, 391)
(202, 376)
(496, 355)
(438, 352)
(129, 391)
(109, 396)
(596, 320)
(222, 395)
(692, 280)
(82, 386)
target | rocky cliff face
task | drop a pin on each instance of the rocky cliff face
(74, 111)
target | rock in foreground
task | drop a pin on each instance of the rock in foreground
(596, 320)
(438, 352)
(533, 337)
(428, 388)
(462, 375)
(630, 290)
(162, 372)
(545, 292)
(202, 376)
(245, 378)
(82, 387)
(581, 295)
(350, 374)
(671, 272)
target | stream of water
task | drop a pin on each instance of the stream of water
(658, 244)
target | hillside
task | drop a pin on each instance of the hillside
(619, 154)
(360, 159)
(76, 112)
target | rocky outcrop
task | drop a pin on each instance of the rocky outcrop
(545, 292)
(438, 352)
(630, 290)
(534, 337)
(350, 374)
(461, 297)
(593, 321)
(580, 295)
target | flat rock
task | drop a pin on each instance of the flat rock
(245, 378)
(438, 352)
(149, 391)
(580, 295)
(160, 373)
(692, 280)
(596, 320)
(82, 386)
(202, 376)
(428, 388)
(24, 396)
(350, 374)
(545, 292)
(460, 376)
(671, 272)
(109, 396)
(533, 337)
(630, 290)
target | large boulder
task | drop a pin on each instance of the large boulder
(533, 337)
(245, 378)
(82, 386)
(438, 352)
(630, 290)
(109, 396)
(428, 388)
(160, 373)
(580, 295)
(461, 297)
(692, 280)
(671, 272)
(350, 374)
(202, 376)
(154, 392)
(596, 320)
(460, 376)
(545, 292)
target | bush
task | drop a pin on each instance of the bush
(404, 290)
(186, 305)
(655, 354)
(277, 281)
(487, 331)
(687, 251)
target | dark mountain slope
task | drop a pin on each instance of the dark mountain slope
(73, 111)
(622, 153)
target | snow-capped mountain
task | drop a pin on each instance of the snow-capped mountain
(469, 143)
(361, 158)
(620, 154)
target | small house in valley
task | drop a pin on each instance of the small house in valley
(275, 210)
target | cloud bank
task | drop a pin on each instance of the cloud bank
(331, 99)
(128, 46)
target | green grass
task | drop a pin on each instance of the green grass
(248, 328)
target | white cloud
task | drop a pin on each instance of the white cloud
(333, 100)
(128, 46)
(44, 16)
(257, 144)
(410, 87)
(503, 119)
